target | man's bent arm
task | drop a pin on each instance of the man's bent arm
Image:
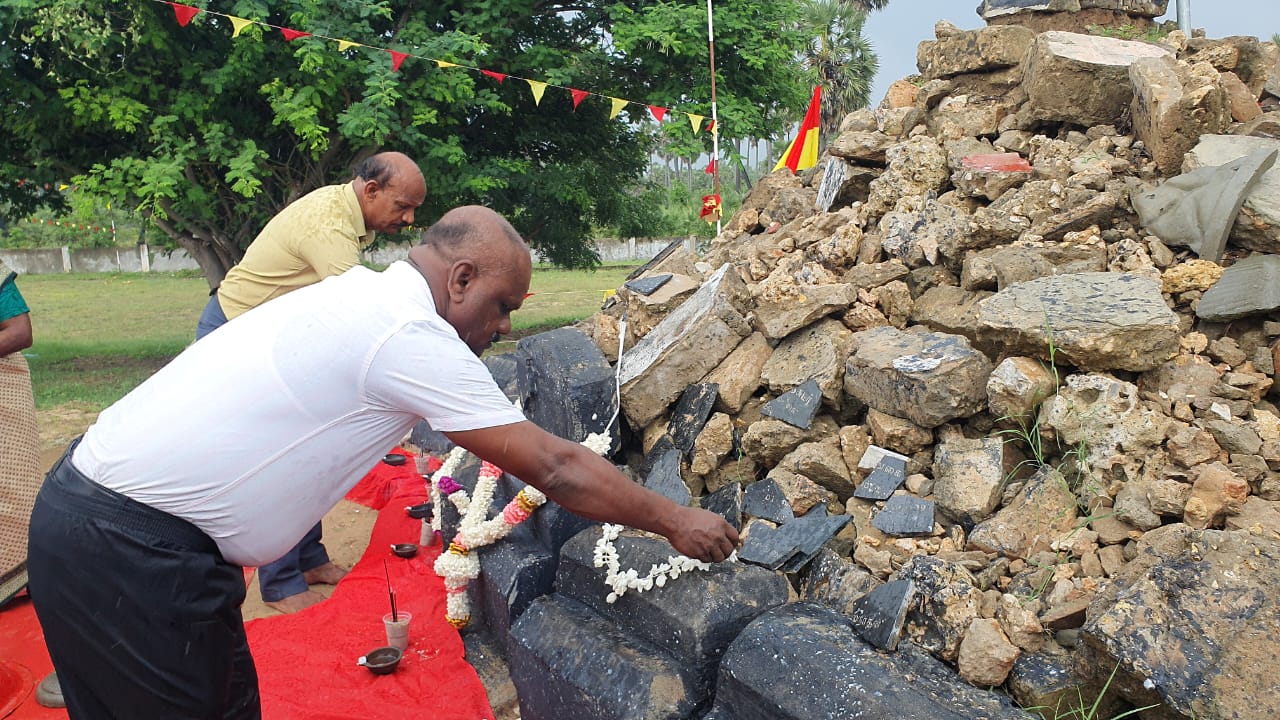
(588, 485)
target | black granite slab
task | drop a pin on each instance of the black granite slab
(885, 478)
(647, 285)
(727, 503)
(765, 500)
(879, 615)
(665, 479)
(797, 406)
(904, 516)
(691, 413)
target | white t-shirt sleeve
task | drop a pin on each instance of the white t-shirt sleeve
(427, 370)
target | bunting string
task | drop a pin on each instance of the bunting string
(186, 13)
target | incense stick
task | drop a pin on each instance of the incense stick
(390, 593)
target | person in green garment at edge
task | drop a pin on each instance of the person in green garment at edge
(20, 475)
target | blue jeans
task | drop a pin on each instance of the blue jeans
(282, 578)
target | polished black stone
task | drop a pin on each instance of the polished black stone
(879, 615)
(764, 500)
(727, 503)
(884, 479)
(904, 516)
(647, 285)
(432, 441)
(691, 413)
(797, 406)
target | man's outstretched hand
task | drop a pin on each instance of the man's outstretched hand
(703, 535)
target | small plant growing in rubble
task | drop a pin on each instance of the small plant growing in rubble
(1081, 711)
(1155, 33)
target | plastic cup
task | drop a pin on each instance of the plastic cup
(397, 631)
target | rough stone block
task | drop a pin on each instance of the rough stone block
(513, 574)
(1082, 79)
(571, 386)
(803, 661)
(568, 663)
(686, 345)
(693, 618)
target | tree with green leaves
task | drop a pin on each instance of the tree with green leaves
(841, 57)
(208, 135)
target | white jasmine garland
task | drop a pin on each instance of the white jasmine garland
(619, 581)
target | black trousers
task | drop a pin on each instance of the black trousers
(140, 612)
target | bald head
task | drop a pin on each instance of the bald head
(474, 231)
(389, 187)
(478, 268)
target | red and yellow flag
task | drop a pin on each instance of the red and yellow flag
(802, 153)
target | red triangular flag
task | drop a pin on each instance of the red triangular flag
(711, 126)
(495, 75)
(658, 112)
(184, 13)
(396, 59)
(291, 35)
(577, 96)
(711, 168)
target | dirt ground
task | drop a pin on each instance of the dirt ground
(346, 527)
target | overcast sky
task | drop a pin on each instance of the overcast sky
(896, 30)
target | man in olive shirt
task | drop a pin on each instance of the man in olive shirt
(318, 236)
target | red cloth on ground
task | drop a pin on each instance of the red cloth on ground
(25, 661)
(384, 481)
(307, 661)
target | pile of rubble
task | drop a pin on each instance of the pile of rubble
(990, 391)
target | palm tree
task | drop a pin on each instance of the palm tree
(840, 56)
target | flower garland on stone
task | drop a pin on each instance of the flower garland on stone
(620, 581)
(459, 565)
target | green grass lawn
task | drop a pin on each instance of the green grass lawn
(99, 335)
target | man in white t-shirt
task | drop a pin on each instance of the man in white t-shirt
(135, 549)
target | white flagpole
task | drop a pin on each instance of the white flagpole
(715, 123)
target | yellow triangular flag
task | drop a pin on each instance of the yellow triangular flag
(696, 122)
(238, 24)
(63, 186)
(618, 104)
(538, 88)
(344, 45)
(443, 64)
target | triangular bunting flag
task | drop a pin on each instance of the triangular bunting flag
(711, 168)
(184, 13)
(444, 64)
(618, 104)
(495, 75)
(238, 24)
(290, 35)
(711, 128)
(537, 88)
(345, 45)
(658, 112)
(695, 121)
(577, 96)
(396, 59)
(63, 186)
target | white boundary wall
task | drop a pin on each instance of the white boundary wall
(140, 258)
